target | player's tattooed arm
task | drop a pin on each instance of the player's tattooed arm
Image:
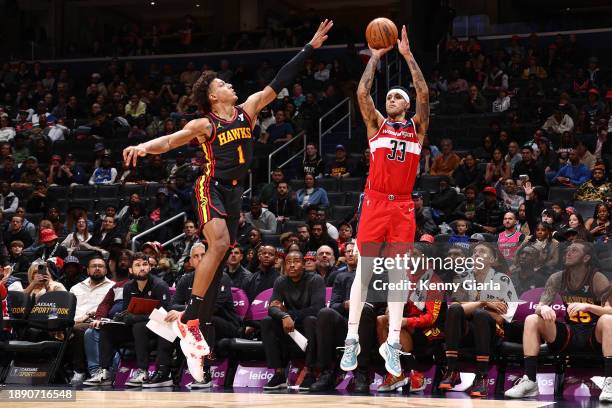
(552, 287)
(422, 100)
(372, 118)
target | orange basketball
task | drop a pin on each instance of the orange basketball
(381, 33)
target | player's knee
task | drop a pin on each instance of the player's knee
(532, 321)
(220, 244)
(382, 321)
(325, 314)
(605, 322)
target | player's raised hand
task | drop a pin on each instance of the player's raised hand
(378, 53)
(321, 35)
(402, 43)
(131, 154)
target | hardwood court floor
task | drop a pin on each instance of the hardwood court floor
(137, 399)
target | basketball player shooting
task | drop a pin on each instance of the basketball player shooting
(225, 136)
(387, 215)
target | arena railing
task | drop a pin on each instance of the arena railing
(156, 227)
(299, 136)
(347, 116)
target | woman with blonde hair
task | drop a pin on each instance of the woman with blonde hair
(41, 281)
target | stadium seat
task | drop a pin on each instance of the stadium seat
(82, 191)
(57, 192)
(271, 239)
(86, 203)
(561, 193)
(108, 191)
(336, 198)
(291, 225)
(102, 203)
(328, 184)
(585, 208)
(352, 184)
(46, 355)
(429, 183)
(343, 212)
(129, 189)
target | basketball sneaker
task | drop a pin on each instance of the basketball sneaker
(606, 391)
(417, 381)
(450, 379)
(349, 357)
(479, 387)
(391, 353)
(193, 345)
(523, 388)
(392, 383)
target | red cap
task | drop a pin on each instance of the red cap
(490, 190)
(593, 91)
(427, 238)
(47, 235)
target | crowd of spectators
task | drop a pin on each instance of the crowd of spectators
(528, 192)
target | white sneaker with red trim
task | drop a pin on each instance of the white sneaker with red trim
(193, 345)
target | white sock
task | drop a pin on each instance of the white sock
(396, 310)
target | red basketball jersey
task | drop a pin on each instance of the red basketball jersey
(394, 158)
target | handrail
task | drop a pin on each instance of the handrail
(249, 190)
(158, 226)
(181, 235)
(302, 135)
(348, 115)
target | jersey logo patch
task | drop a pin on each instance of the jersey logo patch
(241, 116)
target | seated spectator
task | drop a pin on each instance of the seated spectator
(547, 158)
(50, 246)
(39, 201)
(340, 167)
(509, 240)
(345, 236)
(7, 132)
(313, 163)
(573, 174)
(513, 157)
(20, 150)
(321, 216)
(112, 336)
(41, 281)
(599, 224)
(446, 163)
(105, 174)
(9, 172)
(460, 236)
(311, 194)
(135, 107)
(325, 265)
(547, 247)
(265, 275)
(262, 219)
(533, 69)
(456, 84)
(31, 174)
(104, 237)
(89, 294)
(584, 155)
(489, 214)
(282, 204)
(27, 224)
(268, 190)
(70, 173)
(445, 200)
(594, 109)
(497, 168)
(238, 274)
(558, 122)
(475, 103)
(508, 194)
(502, 102)
(17, 232)
(56, 131)
(161, 209)
(134, 222)
(529, 167)
(8, 200)
(526, 272)
(319, 237)
(597, 187)
(280, 131)
(362, 169)
(422, 214)
(468, 173)
(295, 302)
(154, 170)
(182, 247)
(181, 166)
(72, 272)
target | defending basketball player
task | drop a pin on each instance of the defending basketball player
(224, 133)
(387, 215)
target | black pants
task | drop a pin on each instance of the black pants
(277, 344)
(477, 331)
(330, 331)
(367, 337)
(113, 336)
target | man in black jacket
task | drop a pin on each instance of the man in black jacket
(17, 232)
(319, 237)
(296, 299)
(529, 167)
(238, 274)
(104, 237)
(282, 204)
(224, 323)
(133, 327)
(490, 213)
(326, 265)
(265, 275)
(445, 200)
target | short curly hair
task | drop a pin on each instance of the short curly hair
(200, 90)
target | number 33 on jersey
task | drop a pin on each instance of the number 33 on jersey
(394, 158)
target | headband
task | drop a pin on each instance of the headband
(401, 92)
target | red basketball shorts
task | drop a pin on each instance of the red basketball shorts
(386, 219)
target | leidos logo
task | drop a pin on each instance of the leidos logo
(262, 375)
(239, 303)
(217, 374)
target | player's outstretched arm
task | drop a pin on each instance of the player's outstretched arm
(256, 102)
(421, 118)
(197, 128)
(372, 117)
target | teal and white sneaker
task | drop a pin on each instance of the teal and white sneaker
(391, 353)
(349, 358)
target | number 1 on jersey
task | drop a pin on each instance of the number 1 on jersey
(240, 155)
